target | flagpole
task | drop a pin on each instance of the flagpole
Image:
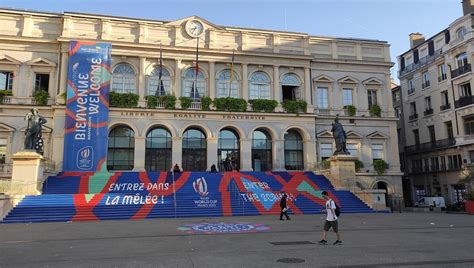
(197, 70)
(231, 72)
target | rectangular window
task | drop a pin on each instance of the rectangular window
(42, 82)
(416, 136)
(347, 96)
(444, 98)
(427, 103)
(372, 97)
(450, 162)
(426, 80)
(419, 192)
(465, 90)
(449, 129)
(325, 150)
(398, 112)
(352, 149)
(471, 156)
(411, 86)
(461, 60)
(431, 130)
(377, 151)
(323, 100)
(3, 151)
(443, 163)
(442, 72)
(6, 80)
(426, 167)
(396, 96)
(413, 108)
(469, 125)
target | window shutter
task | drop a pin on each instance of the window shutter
(447, 37)
(416, 56)
(431, 48)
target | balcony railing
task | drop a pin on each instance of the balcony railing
(428, 112)
(422, 62)
(445, 107)
(461, 70)
(428, 146)
(195, 105)
(425, 84)
(411, 91)
(413, 117)
(464, 101)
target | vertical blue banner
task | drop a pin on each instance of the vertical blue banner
(87, 106)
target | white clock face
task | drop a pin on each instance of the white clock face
(194, 28)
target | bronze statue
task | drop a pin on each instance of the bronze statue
(33, 139)
(339, 137)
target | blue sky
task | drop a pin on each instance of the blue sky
(389, 20)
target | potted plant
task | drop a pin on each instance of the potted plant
(350, 110)
(375, 110)
(380, 166)
(468, 180)
(359, 165)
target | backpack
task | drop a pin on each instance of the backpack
(337, 210)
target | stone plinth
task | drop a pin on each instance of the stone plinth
(342, 170)
(27, 173)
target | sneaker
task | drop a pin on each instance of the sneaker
(323, 242)
(281, 219)
(337, 242)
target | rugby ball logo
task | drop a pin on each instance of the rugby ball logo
(200, 187)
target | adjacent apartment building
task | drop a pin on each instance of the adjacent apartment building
(437, 108)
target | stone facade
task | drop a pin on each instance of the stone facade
(328, 73)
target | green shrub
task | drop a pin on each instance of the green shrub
(123, 100)
(231, 104)
(206, 103)
(185, 102)
(41, 97)
(262, 105)
(375, 110)
(351, 110)
(380, 166)
(325, 164)
(168, 101)
(294, 106)
(151, 101)
(359, 165)
(4, 93)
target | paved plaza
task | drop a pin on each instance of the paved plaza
(370, 240)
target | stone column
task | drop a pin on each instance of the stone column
(276, 87)
(307, 90)
(177, 79)
(211, 152)
(246, 155)
(139, 155)
(309, 147)
(245, 82)
(176, 151)
(63, 72)
(212, 80)
(27, 173)
(141, 82)
(278, 155)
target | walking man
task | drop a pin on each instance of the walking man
(284, 208)
(331, 220)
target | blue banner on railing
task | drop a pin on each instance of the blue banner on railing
(87, 106)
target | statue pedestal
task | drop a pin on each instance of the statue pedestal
(27, 174)
(343, 170)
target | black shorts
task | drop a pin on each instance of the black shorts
(329, 224)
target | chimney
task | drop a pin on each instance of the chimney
(467, 7)
(416, 39)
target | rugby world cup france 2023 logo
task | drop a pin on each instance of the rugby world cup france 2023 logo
(85, 157)
(200, 186)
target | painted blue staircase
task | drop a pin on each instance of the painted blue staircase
(139, 195)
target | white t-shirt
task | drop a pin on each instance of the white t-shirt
(330, 204)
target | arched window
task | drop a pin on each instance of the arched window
(461, 32)
(293, 151)
(259, 86)
(120, 154)
(228, 152)
(194, 151)
(123, 79)
(189, 79)
(290, 87)
(261, 150)
(224, 84)
(158, 150)
(153, 82)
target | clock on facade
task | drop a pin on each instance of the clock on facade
(194, 28)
